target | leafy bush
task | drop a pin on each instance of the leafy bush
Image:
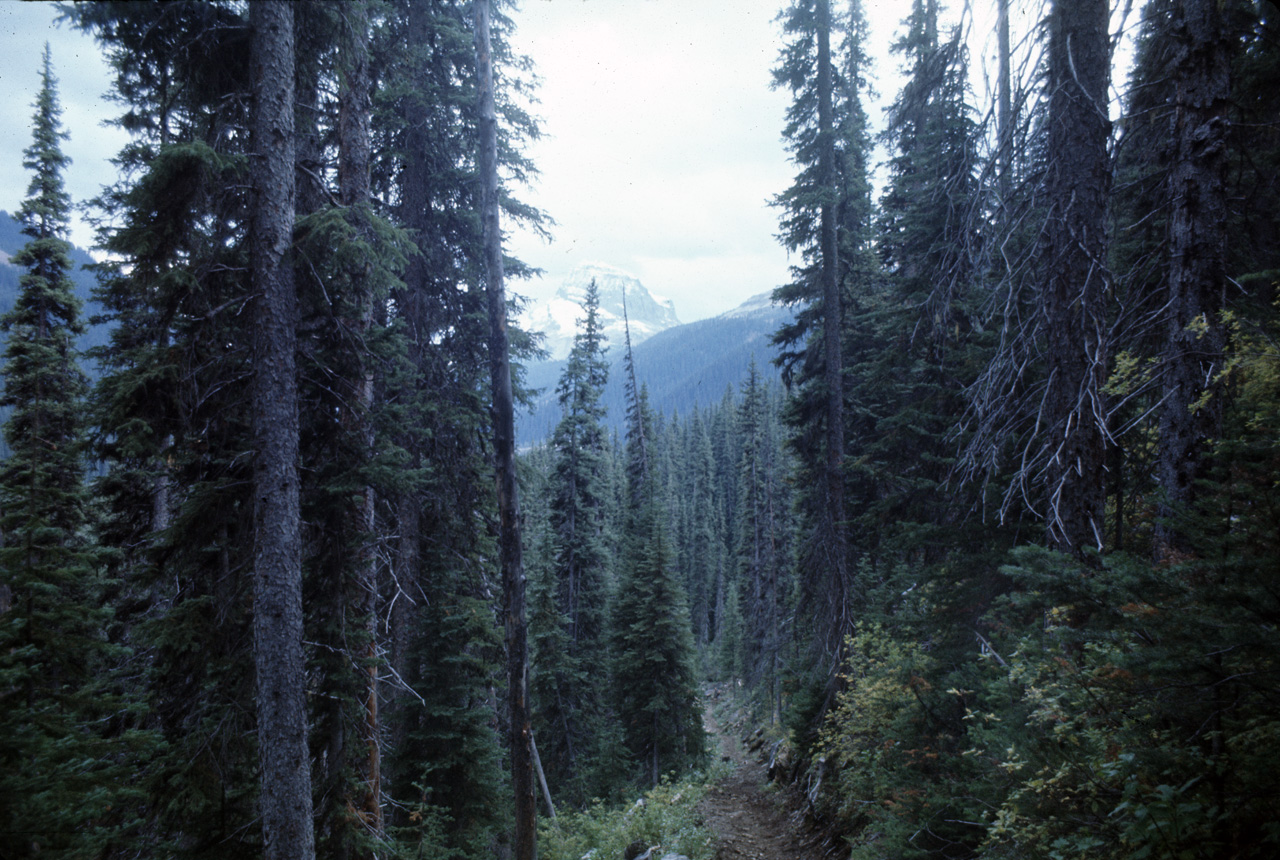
(1148, 719)
(892, 747)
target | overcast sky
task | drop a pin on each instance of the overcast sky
(662, 148)
(83, 78)
(663, 142)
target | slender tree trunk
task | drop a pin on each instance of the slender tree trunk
(542, 777)
(654, 761)
(1004, 117)
(277, 618)
(309, 145)
(526, 846)
(354, 110)
(1074, 252)
(414, 211)
(404, 593)
(832, 324)
(1193, 353)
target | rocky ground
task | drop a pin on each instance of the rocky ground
(750, 821)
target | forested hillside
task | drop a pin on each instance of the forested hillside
(685, 367)
(983, 533)
(11, 241)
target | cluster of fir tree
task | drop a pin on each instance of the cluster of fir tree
(654, 563)
(67, 726)
(127, 604)
(974, 692)
(613, 670)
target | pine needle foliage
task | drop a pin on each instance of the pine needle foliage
(62, 722)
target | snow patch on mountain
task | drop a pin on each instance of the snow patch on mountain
(759, 303)
(558, 318)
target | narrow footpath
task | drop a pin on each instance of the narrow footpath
(750, 822)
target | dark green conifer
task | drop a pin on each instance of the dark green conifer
(58, 771)
(702, 553)
(762, 546)
(571, 625)
(826, 218)
(655, 692)
(654, 679)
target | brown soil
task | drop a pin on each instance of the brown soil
(751, 823)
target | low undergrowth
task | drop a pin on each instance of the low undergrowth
(665, 816)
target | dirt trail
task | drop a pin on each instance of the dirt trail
(750, 823)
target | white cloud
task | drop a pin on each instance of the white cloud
(662, 149)
(664, 141)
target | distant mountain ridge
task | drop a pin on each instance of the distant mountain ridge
(685, 367)
(557, 319)
(11, 241)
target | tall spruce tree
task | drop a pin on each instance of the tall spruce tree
(569, 696)
(826, 219)
(177, 424)
(172, 411)
(288, 831)
(577, 507)
(1075, 278)
(1194, 357)
(525, 833)
(762, 546)
(58, 781)
(443, 732)
(928, 320)
(1038, 415)
(654, 681)
(351, 260)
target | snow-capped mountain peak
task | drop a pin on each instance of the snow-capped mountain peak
(558, 319)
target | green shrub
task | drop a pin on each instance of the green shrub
(665, 816)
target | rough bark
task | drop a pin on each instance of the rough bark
(309, 144)
(277, 623)
(413, 213)
(355, 107)
(1004, 117)
(522, 770)
(354, 112)
(1074, 254)
(1193, 352)
(832, 324)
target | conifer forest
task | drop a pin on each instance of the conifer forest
(986, 550)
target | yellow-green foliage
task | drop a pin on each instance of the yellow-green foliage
(665, 816)
(878, 709)
(885, 745)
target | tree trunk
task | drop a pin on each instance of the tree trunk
(542, 777)
(654, 761)
(354, 110)
(1074, 252)
(1193, 353)
(277, 617)
(832, 324)
(309, 144)
(413, 210)
(1004, 116)
(526, 847)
